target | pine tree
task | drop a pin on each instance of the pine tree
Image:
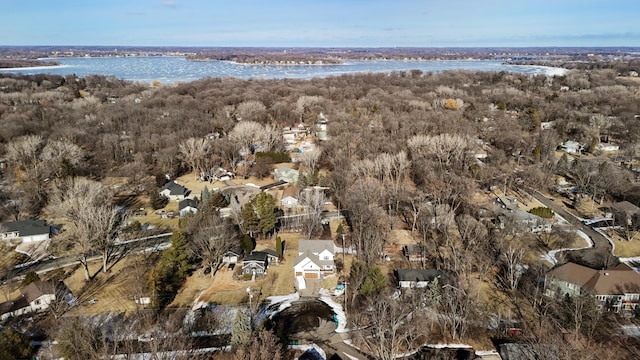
(279, 249)
(205, 195)
(265, 206)
(241, 331)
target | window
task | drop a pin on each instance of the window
(37, 302)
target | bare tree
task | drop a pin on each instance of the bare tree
(195, 153)
(96, 223)
(389, 327)
(61, 157)
(214, 237)
(263, 346)
(313, 200)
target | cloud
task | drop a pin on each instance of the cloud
(136, 13)
(170, 4)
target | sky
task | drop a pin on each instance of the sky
(327, 23)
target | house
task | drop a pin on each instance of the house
(616, 289)
(518, 221)
(232, 256)
(37, 296)
(187, 206)
(25, 230)
(607, 147)
(414, 252)
(272, 256)
(255, 264)
(315, 258)
(174, 191)
(287, 174)
(572, 147)
(625, 213)
(289, 197)
(416, 278)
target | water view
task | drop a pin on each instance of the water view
(178, 69)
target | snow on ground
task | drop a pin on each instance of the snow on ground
(276, 305)
(340, 315)
(309, 347)
(551, 255)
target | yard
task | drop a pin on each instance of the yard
(224, 289)
(624, 248)
(113, 292)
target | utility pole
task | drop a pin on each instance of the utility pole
(345, 281)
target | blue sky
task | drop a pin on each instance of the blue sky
(308, 23)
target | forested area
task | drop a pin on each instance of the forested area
(401, 153)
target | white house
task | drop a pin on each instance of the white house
(36, 296)
(289, 197)
(174, 191)
(607, 147)
(187, 206)
(315, 258)
(572, 147)
(26, 230)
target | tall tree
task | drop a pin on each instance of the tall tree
(96, 222)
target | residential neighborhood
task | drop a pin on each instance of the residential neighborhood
(404, 215)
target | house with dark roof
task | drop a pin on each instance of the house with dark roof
(416, 278)
(255, 263)
(174, 191)
(617, 288)
(37, 296)
(29, 230)
(187, 206)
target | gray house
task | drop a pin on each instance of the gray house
(25, 230)
(255, 264)
(174, 191)
(416, 278)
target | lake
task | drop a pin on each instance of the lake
(167, 69)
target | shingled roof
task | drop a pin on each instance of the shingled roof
(27, 227)
(616, 281)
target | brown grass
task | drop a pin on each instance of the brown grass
(227, 289)
(114, 291)
(625, 248)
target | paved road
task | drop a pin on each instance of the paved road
(600, 242)
(124, 248)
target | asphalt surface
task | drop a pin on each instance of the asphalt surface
(599, 256)
(122, 249)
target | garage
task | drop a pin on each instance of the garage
(311, 275)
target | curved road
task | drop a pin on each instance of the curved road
(600, 242)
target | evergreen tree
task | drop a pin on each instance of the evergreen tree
(279, 249)
(14, 345)
(241, 331)
(205, 196)
(265, 206)
(247, 244)
(250, 219)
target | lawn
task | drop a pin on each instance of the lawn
(225, 289)
(114, 291)
(624, 248)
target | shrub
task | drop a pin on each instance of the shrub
(543, 212)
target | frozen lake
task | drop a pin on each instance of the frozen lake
(168, 69)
